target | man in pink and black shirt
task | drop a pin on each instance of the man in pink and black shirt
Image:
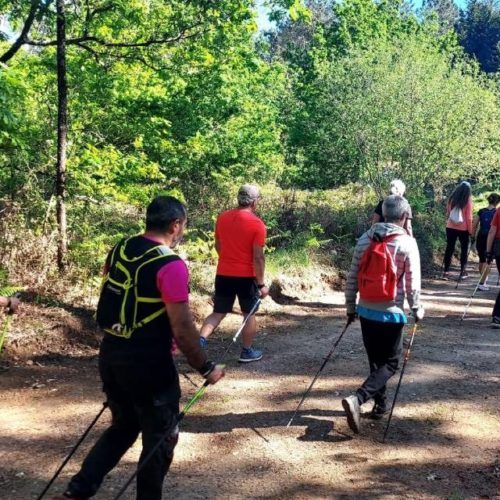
(139, 376)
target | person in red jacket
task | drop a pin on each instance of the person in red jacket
(240, 237)
(458, 225)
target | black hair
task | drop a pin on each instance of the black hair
(162, 211)
(460, 196)
(494, 199)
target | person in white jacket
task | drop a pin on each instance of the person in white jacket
(382, 319)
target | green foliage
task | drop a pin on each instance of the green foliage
(394, 110)
(479, 33)
(183, 98)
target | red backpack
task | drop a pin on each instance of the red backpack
(377, 279)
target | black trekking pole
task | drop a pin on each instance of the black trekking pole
(71, 453)
(198, 394)
(462, 270)
(327, 358)
(407, 356)
(474, 292)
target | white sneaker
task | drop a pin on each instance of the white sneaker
(483, 288)
(351, 408)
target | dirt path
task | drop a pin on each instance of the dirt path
(444, 441)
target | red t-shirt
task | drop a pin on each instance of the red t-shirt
(496, 222)
(237, 231)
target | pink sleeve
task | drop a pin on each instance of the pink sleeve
(260, 235)
(172, 281)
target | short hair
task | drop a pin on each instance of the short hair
(247, 194)
(162, 211)
(397, 187)
(494, 199)
(394, 208)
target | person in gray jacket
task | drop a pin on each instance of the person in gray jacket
(382, 320)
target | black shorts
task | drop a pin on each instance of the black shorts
(481, 246)
(227, 288)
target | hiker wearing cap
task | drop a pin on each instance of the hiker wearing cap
(143, 305)
(458, 225)
(385, 266)
(397, 187)
(240, 237)
(493, 252)
(483, 220)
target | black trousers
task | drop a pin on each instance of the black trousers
(496, 309)
(383, 344)
(451, 239)
(138, 403)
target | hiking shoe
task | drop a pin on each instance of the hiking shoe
(446, 276)
(495, 322)
(464, 275)
(483, 288)
(250, 354)
(378, 411)
(203, 342)
(351, 408)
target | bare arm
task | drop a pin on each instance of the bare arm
(491, 238)
(259, 265)
(475, 223)
(186, 334)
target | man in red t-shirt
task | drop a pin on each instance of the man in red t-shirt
(493, 252)
(240, 237)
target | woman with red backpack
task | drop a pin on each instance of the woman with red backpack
(458, 225)
(483, 220)
(385, 270)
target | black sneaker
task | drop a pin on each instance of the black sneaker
(495, 322)
(378, 411)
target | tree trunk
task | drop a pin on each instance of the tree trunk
(62, 132)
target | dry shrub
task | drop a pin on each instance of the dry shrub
(29, 255)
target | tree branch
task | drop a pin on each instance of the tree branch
(21, 39)
(121, 45)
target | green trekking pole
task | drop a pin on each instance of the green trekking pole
(198, 394)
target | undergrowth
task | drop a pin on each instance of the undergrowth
(305, 230)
